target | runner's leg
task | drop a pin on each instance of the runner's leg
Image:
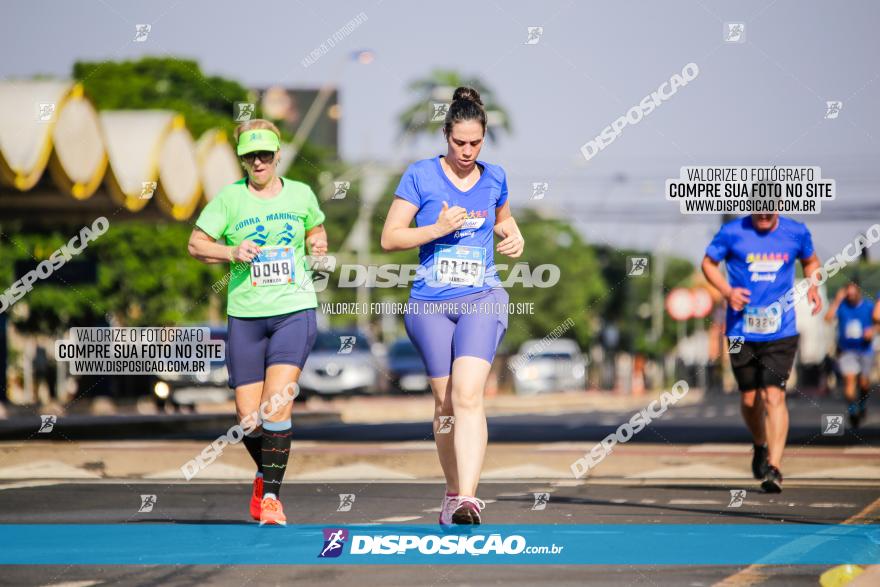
(469, 376)
(278, 393)
(476, 339)
(246, 346)
(431, 333)
(776, 422)
(440, 386)
(849, 387)
(247, 403)
(753, 413)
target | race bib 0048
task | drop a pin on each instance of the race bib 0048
(459, 265)
(273, 266)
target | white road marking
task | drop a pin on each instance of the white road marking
(691, 471)
(26, 484)
(352, 472)
(568, 483)
(694, 502)
(857, 472)
(213, 471)
(861, 450)
(47, 469)
(726, 448)
(397, 519)
(526, 472)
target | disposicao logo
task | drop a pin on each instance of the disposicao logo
(334, 541)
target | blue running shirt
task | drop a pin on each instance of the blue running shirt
(852, 321)
(764, 264)
(462, 262)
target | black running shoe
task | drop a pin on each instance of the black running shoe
(855, 414)
(759, 461)
(772, 482)
(467, 511)
(855, 419)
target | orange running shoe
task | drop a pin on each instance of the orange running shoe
(271, 512)
(257, 497)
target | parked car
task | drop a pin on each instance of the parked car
(543, 366)
(188, 390)
(341, 362)
(406, 370)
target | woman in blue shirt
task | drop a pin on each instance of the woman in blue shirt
(457, 313)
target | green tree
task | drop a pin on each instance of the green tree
(145, 275)
(167, 83)
(437, 88)
(628, 303)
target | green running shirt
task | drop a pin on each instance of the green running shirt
(282, 221)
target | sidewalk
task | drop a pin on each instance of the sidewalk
(339, 461)
(378, 409)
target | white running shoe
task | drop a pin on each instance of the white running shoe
(467, 510)
(446, 509)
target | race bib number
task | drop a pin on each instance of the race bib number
(459, 265)
(854, 330)
(273, 266)
(762, 320)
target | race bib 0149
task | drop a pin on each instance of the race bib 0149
(459, 265)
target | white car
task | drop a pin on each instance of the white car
(545, 366)
(342, 362)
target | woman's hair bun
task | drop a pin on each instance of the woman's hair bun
(466, 93)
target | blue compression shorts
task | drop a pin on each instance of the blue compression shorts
(467, 326)
(255, 343)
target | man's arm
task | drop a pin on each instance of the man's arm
(832, 309)
(811, 265)
(737, 297)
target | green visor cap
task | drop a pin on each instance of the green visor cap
(257, 140)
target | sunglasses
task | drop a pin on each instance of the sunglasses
(263, 156)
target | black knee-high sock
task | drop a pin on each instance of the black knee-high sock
(276, 451)
(253, 442)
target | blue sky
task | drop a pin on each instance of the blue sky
(757, 102)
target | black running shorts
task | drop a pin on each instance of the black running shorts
(763, 364)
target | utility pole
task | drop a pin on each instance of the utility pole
(373, 181)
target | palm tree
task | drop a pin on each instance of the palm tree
(438, 88)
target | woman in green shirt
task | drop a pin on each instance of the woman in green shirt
(261, 225)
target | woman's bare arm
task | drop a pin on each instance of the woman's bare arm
(398, 236)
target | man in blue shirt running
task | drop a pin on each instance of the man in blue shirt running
(855, 333)
(760, 253)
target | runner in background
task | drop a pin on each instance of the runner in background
(760, 253)
(855, 334)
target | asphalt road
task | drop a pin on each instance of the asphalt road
(416, 502)
(716, 419)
